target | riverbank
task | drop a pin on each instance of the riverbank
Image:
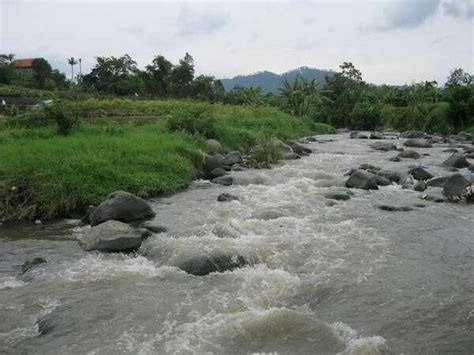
(149, 148)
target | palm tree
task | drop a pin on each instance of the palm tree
(72, 62)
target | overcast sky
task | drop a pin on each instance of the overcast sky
(394, 42)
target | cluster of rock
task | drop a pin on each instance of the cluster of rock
(110, 231)
(455, 187)
(217, 166)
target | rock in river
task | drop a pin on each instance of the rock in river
(31, 263)
(113, 236)
(454, 187)
(361, 180)
(420, 186)
(204, 265)
(395, 208)
(225, 197)
(385, 146)
(456, 161)
(338, 195)
(419, 173)
(121, 206)
(409, 154)
(223, 180)
(417, 143)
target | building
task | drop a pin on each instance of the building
(26, 63)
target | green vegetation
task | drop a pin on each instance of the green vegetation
(46, 172)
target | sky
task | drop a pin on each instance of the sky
(393, 42)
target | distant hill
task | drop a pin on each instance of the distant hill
(271, 82)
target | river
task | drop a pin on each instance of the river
(347, 278)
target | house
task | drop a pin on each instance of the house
(22, 64)
(24, 68)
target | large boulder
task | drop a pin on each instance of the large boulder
(113, 236)
(121, 206)
(412, 134)
(376, 135)
(385, 146)
(223, 180)
(298, 148)
(212, 162)
(232, 158)
(456, 161)
(215, 146)
(437, 181)
(417, 143)
(419, 173)
(409, 154)
(204, 265)
(362, 180)
(454, 187)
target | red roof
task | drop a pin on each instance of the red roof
(24, 63)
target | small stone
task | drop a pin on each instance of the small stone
(420, 186)
(226, 197)
(38, 222)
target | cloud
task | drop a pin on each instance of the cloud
(459, 8)
(133, 31)
(407, 14)
(200, 20)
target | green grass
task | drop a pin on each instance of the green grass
(470, 130)
(45, 178)
(44, 175)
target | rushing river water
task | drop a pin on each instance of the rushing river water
(348, 278)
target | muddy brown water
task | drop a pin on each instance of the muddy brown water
(342, 279)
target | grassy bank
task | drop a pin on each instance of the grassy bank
(149, 148)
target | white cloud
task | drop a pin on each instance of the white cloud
(228, 38)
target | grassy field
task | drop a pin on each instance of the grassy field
(149, 148)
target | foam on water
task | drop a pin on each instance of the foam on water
(10, 282)
(108, 267)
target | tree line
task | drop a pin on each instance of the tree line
(344, 100)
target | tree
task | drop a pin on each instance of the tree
(344, 89)
(6, 68)
(458, 77)
(41, 72)
(181, 77)
(157, 76)
(112, 75)
(207, 88)
(300, 97)
(72, 62)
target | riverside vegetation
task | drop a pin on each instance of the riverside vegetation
(58, 160)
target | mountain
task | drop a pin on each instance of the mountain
(271, 82)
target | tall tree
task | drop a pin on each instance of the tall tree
(158, 76)
(72, 62)
(344, 89)
(6, 68)
(41, 72)
(182, 76)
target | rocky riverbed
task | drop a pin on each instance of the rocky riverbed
(352, 249)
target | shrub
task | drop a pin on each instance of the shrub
(365, 116)
(65, 121)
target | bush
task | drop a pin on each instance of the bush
(365, 116)
(65, 121)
